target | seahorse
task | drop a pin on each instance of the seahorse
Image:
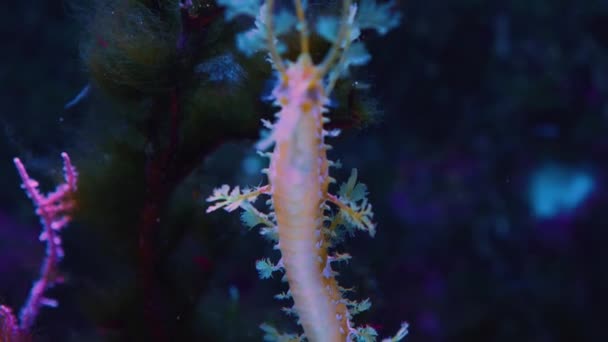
(308, 220)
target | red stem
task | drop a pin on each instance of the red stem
(160, 182)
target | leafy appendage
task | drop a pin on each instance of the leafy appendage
(231, 200)
(240, 7)
(400, 335)
(369, 334)
(363, 334)
(327, 27)
(254, 39)
(271, 334)
(9, 328)
(283, 295)
(355, 210)
(357, 307)
(376, 16)
(265, 268)
(251, 217)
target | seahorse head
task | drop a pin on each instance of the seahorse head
(299, 91)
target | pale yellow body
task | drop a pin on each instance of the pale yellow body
(298, 180)
(303, 227)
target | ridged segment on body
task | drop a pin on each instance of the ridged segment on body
(299, 181)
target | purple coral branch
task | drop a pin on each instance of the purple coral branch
(8, 325)
(54, 211)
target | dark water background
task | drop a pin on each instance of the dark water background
(486, 164)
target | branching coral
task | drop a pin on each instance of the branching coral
(55, 211)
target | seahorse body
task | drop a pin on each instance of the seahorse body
(298, 177)
(305, 227)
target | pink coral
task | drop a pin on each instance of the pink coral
(54, 211)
